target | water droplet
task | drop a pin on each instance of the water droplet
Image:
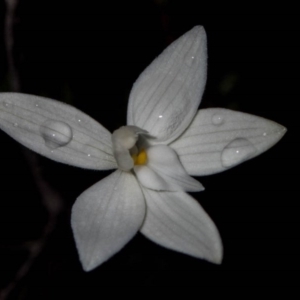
(36, 105)
(217, 119)
(6, 104)
(190, 60)
(16, 124)
(89, 155)
(56, 134)
(236, 152)
(79, 120)
(160, 116)
(264, 134)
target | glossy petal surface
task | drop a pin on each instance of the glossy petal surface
(176, 221)
(166, 96)
(219, 139)
(106, 216)
(164, 172)
(56, 130)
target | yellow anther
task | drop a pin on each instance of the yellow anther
(141, 158)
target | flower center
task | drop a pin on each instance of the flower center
(126, 143)
(140, 158)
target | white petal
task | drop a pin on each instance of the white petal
(165, 172)
(219, 139)
(166, 96)
(56, 130)
(150, 179)
(106, 216)
(176, 221)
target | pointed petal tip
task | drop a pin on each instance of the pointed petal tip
(198, 29)
(273, 134)
(198, 33)
(198, 187)
(201, 187)
(217, 255)
(89, 266)
(176, 221)
(282, 130)
(216, 260)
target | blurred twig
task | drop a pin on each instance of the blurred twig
(14, 77)
(49, 197)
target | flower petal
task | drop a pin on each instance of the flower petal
(176, 221)
(166, 96)
(165, 172)
(56, 130)
(106, 216)
(219, 139)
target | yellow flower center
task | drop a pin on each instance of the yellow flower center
(140, 158)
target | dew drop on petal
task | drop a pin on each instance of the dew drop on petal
(7, 104)
(56, 134)
(217, 119)
(90, 151)
(236, 152)
(190, 59)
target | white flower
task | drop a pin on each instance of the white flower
(166, 140)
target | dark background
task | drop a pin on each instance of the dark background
(89, 56)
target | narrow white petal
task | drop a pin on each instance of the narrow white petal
(106, 216)
(164, 172)
(56, 130)
(177, 221)
(166, 96)
(219, 139)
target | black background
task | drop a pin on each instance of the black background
(89, 55)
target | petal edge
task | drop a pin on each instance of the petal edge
(219, 139)
(56, 130)
(165, 97)
(176, 221)
(106, 216)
